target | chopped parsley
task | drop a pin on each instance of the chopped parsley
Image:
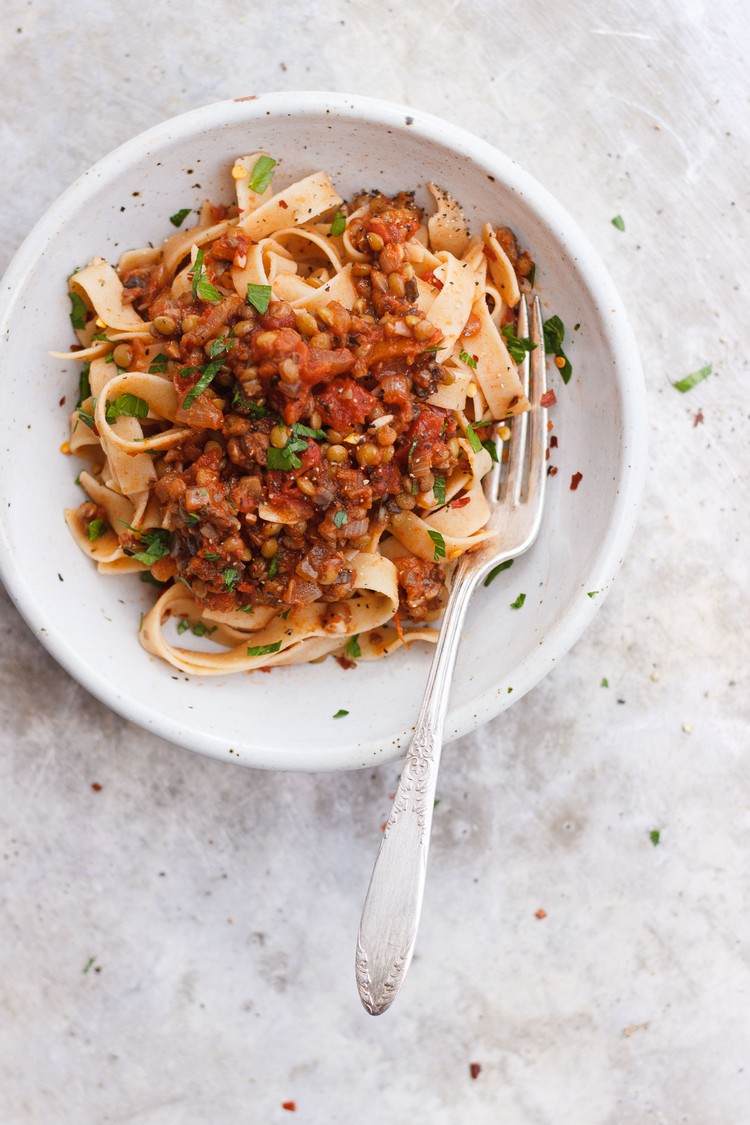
(491, 447)
(156, 540)
(202, 287)
(554, 336)
(438, 490)
(84, 386)
(183, 625)
(78, 310)
(208, 374)
(198, 629)
(352, 649)
(338, 225)
(95, 528)
(126, 406)
(604, 682)
(286, 458)
(618, 222)
(87, 418)
(259, 296)
(179, 216)
(263, 650)
(273, 566)
(340, 713)
(340, 518)
(220, 346)
(692, 380)
(439, 544)
(260, 177)
(655, 836)
(243, 404)
(230, 576)
(212, 556)
(518, 602)
(496, 570)
(518, 346)
(473, 438)
(306, 431)
(468, 359)
(591, 593)
(158, 364)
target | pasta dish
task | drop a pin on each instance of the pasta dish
(285, 415)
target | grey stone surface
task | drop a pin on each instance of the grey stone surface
(220, 905)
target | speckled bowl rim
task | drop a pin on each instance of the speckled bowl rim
(620, 339)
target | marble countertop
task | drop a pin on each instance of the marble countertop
(178, 935)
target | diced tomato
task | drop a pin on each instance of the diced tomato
(345, 404)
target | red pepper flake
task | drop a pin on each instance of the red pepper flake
(284, 205)
(432, 280)
(553, 442)
(459, 502)
(96, 786)
(475, 1070)
(345, 663)
(552, 470)
(62, 403)
(575, 480)
(540, 913)
(549, 398)
(698, 419)
(290, 1106)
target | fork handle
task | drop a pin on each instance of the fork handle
(390, 916)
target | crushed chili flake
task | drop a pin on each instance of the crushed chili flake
(475, 1070)
(575, 480)
(96, 786)
(553, 442)
(698, 419)
(540, 913)
(549, 398)
(62, 401)
(345, 663)
(460, 502)
(552, 470)
(283, 204)
(291, 1107)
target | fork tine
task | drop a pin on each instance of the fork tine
(519, 429)
(538, 439)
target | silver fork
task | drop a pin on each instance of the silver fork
(390, 917)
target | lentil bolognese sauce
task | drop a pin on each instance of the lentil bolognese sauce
(286, 412)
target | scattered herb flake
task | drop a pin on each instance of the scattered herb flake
(591, 593)
(340, 518)
(554, 337)
(439, 543)
(496, 570)
(340, 713)
(207, 377)
(179, 216)
(273, 566)
(220, 346)
(467, 359)
(692, 380)
(126, 406)
(260, 177)
(84, 387)
(438, 490)
(78, 310)
(259, 296)
(263, 650)
(618, 222)
(157, 540)
(202, 287)
(95, 528)
(604, 682)
(352, 649)
(518, 602)
(473, 438)
(86, 418)
(655, 836)
(338, 226)
(183, 625)
(286, 458)
(158, 364)
(147, 577)
(230, 576)
(88, 964)
(518, 346)
(491, 446)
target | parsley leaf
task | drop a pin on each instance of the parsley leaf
(220, 346)
(126, 406)
(467, 359)
(147, 576)
(352, 649)
(230, 576)
(340, 713)
(84, 387)
(496, 570)
(439, 543)
(692, 380)
(212, 556)
(654, 836)
(438, 490)
(491, 448)
(179, 216)
(157, 540)
(273, 566)
(518, 346)
(473, 438)
(618, 222)
(591, 593)
(158, 364)
(260, 177)
(605, 682)
(183, 625)
(78, 310)
(95, 528)
(340, 518)
(263, 650)
(286, 458)
(518, 602)
(259, 296)
(202, 287)
(84, 416)
(201, 630)
(209, 372)
(306, 431)
(338, 225)
(554, 336)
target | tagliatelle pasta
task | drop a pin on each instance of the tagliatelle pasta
(286, 413)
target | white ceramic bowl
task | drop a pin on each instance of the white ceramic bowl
(284, 720)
